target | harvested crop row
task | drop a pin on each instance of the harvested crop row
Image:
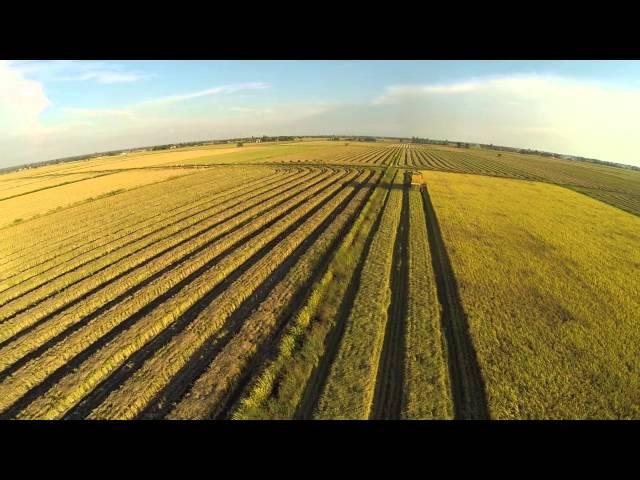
(87, 284)
(49, 267)
(79, 220)
(160, 213)
(97, 367)
(52, 263)
(427, 393)
(214, 384)
(377, 157)
(302, 345)
(197, 252)
(133, 304)
(234, 228)
(87, 221)
(110, 266)
(387, 399)
(352, 379)
(134, 394)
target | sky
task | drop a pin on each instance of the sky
(52, 109)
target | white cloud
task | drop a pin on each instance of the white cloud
(534, 111)
(21, 102)
(543, 112)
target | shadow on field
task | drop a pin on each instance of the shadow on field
(467, 385)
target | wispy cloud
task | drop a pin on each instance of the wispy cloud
(70, 70)
(99, 112)
(223, 89)
(250, 110)
(105, 77)
(137, 110)
(393, 92)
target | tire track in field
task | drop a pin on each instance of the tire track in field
(78, 359)
(387, 400)
(467, 384)
(201, 360)
(318, 377)
(83, 408)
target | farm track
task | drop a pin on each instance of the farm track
(318, 377)
(467, 385)
(387, 401)
(199, 362)
(119, 376)
(77, 359)
(129, 292)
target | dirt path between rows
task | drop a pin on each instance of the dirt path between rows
(467, 385)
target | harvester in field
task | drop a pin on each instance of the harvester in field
(417, 181)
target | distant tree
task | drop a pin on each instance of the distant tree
(239, 144)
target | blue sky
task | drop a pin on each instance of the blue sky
(50, 109)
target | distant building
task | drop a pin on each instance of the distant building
(258, 140)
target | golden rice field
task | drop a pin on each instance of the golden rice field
(314, 280)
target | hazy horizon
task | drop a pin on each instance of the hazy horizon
(57, 109)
